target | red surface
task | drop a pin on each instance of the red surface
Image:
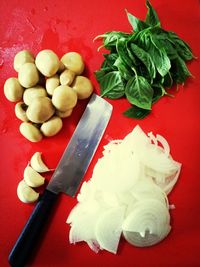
(71, 26)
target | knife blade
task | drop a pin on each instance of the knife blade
(67, 176)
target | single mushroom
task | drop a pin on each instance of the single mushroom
(52, 83)
(30, 132)
(73, 61)
(28, 75)
(31, 93)
(52, 126)
(20, 111)
(64, 98)
(47, 62)
(83, 87)
(67, 77)
(13, 90)
(21, 58)
(40, 110)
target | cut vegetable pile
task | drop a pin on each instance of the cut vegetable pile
(140, 65)
(127, 194)
(32, 179)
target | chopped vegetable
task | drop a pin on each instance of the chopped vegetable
(37, 163)
(140, 65)
(108, 234)
(147, 224)
(25, 193)
(126, 194)
(33, 178)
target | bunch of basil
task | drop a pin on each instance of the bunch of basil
(141, 64)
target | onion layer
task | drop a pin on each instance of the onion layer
(147, 224)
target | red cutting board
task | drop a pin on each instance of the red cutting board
(65, 26)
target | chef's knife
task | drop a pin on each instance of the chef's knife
(67, 176)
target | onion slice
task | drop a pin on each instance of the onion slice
(147, 224)
(109, 228)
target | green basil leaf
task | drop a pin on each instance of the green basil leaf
(125, 72)
(168, 81)
(136, 23)
(142, 71)
(122, 52)
(160, 59)
(181, 46)
(106, 66)
(179, 71)
(111, 57)
(110, 39)
(158, 92)
(110, 60)
(139, 92)
(136, 112)
(99, 74)
(112, 85)
(161, 40)
(129, 52)
(145, 58)
(151, 17)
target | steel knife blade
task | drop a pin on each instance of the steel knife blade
(81, 148)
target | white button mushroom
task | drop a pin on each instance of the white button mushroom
(67, 77)
(30, 132)
(52, 126)
(83, 87)
(40, 110)
(20, 111)
(73, 61)
(64, 114)
(52, 83)
(13, 90)
(64, 98)
(32, 93)
(21, 58)
(28, 75)
(47, 62)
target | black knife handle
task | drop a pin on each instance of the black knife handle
(32, 231)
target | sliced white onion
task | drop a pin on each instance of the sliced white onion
(145, 240)
(128, 190)
(164, 143)
(154, 158)
(147, 224)
(153, 138)
(93, 244)
(147, 189)
(171, 180)
(136, 140)
(87, 191)
(160, 139)
(109, 228)
(83, 224)
(114, 168)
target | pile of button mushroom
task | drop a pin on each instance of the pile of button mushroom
(46, 90)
